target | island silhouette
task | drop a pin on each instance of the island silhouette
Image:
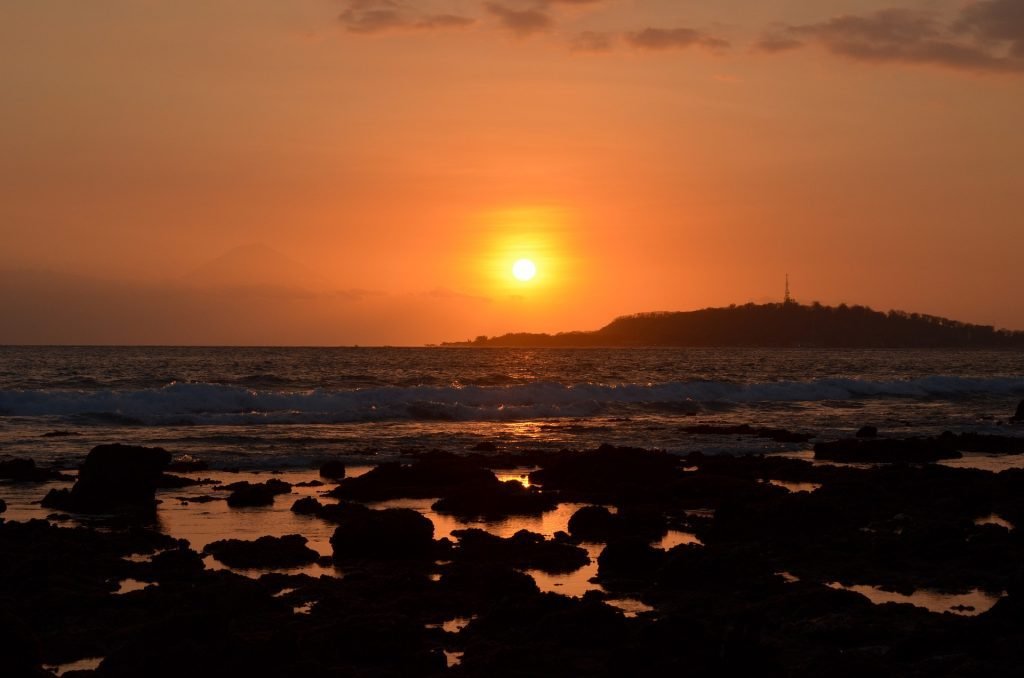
(786, 324)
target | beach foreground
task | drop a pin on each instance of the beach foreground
(880, 555)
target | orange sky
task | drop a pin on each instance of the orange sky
(337, 172)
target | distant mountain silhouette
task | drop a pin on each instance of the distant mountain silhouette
(774, 325)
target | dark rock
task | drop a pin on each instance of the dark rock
(256, 494)
(307, 506)
(494, 499)
(172, 482)
(592, 523)
(277, 486)
(25, 470)
(917, 450)
(180, 563)
(333, 469)
(629, 559)
(476, 583)
(332, 513)
(61, 434)
(20, 655)
(485, 447)
(390, 534)
(310, 483)
(265, 552)
(201, 499)
(886, 451)
(867, 432)
(114, 477)
(598, 524)
(433, 475)
(1019, 415)
(610, 474)
(3, 505)
(524, 549)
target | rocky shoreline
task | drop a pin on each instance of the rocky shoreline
(695, 565)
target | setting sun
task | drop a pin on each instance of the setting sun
(524, 270)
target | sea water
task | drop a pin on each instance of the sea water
(294, 407)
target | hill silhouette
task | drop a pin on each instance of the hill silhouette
(773, 325)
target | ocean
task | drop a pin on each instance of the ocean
(250, 408)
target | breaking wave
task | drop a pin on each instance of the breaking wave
(200, 403)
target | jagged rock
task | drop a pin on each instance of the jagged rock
(524, 549)
(307, 506)
(266, 552)
(867, 432)
(598, 524)
(485, 447)
(628, 559)
(172, 482)
(609, 474)
(1019, 415)
(25, 470)
(494, 499)
(3, 505)
(886, 450)
(61, 434)
(256, 494)
(390, 534)
(114, 477)
(333, 469)
(433, 475)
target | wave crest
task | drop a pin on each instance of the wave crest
(202, 403)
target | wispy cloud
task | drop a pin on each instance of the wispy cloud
(984, 36)
(522, 22)
(675, 38)
(592, 41)
(377, 16)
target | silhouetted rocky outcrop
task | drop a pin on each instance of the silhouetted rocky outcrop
(26, 471)
(268, 552)
(390, 534)
(114, 477)
(787, 324)
(333, 469)
(256, 494)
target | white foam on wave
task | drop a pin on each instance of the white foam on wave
(221, 404)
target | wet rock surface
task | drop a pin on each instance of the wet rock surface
(915, 450)
(334, 469)
(114, 477)
(524, 549)
(266, 552)
(389, 534)
(245, 494)
(756, 598)
(26, 471)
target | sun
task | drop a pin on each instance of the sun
(524, 270)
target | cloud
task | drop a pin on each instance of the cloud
(377, 16)
(674, 38)
(522, 22)
(985, 36)
(592, 41)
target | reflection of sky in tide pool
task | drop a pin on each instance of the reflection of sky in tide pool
(87, 664)
(971, 603)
